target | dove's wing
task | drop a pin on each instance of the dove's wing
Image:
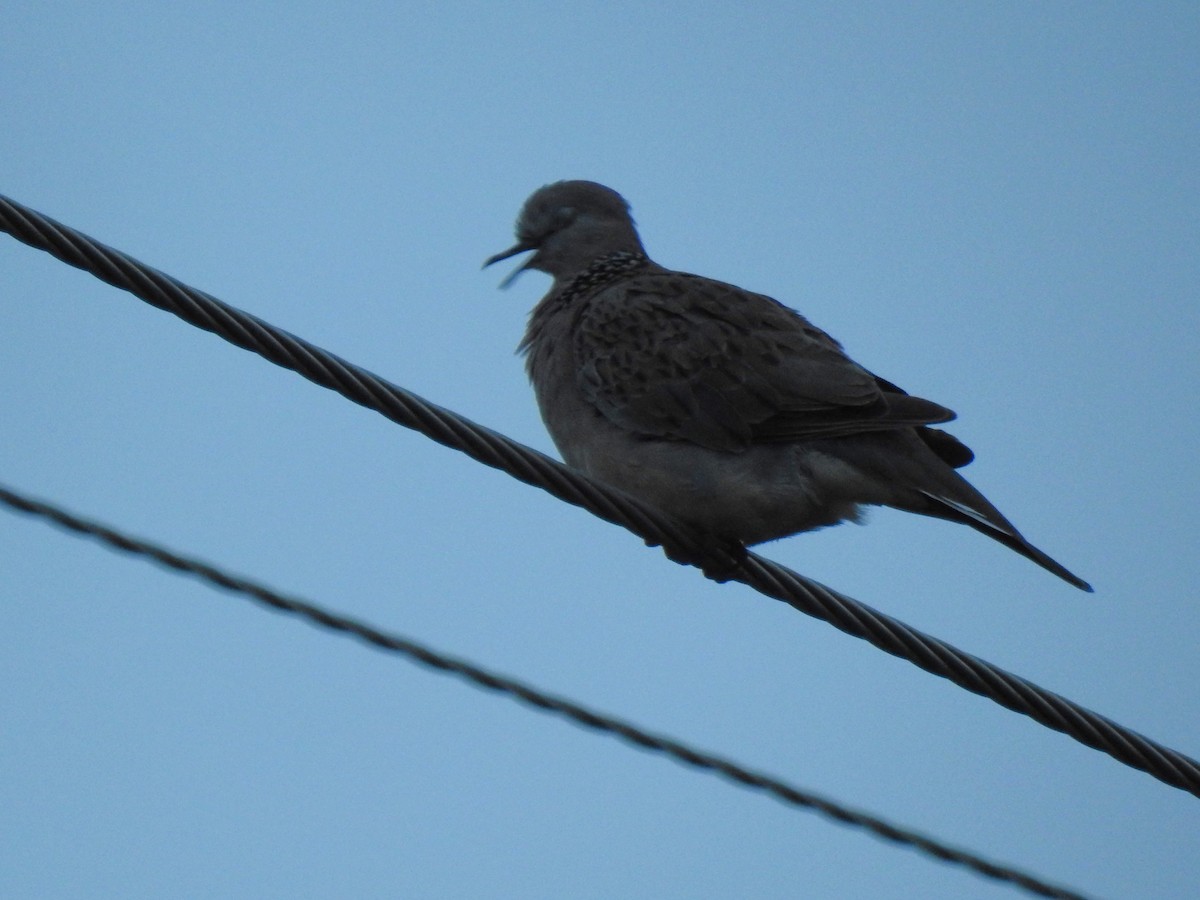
(680, 357)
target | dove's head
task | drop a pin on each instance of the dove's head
(571, 224)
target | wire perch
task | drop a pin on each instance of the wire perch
(526, 464)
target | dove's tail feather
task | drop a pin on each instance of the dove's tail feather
(945, 508)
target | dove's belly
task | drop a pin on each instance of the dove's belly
(768, 491)
(764, 493)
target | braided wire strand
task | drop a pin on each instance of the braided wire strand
(528, 465)
(416, 652)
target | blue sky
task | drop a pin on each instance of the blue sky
(995, 206)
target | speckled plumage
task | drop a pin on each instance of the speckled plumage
(720, 406)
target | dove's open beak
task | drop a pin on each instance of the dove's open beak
(520, 247)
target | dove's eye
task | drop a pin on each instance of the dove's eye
(564, 215)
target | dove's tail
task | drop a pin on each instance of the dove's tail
(994, 527)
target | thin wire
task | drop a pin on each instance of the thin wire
(720, 561)
(416, 652)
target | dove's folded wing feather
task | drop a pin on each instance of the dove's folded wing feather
(680, 357)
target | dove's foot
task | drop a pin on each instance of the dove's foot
(718, 558)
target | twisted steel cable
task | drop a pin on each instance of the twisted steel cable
(719, 561)
(673, 749)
